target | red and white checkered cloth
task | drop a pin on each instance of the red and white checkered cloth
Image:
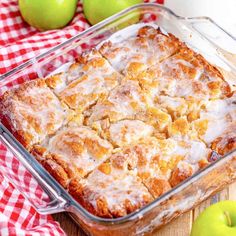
(18, 43)
(17, 216)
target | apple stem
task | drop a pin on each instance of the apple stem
(228, 218)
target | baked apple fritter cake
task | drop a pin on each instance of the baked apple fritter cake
(127, 122)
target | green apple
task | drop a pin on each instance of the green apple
(217, 220)
(98, 10)
(47, 14)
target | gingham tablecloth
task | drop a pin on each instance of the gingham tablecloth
(18, 43)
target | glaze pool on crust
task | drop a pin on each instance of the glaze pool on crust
(125, 132)
(85, 82)
(138, 53)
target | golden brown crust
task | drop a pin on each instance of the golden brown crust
(109, 192)
(56, 171)
(80, 193)
(72, 152)
(54, 80)
(180, 174)
(212, 71)
(151, 33)
(226, 142)
(77, 190)
(90, 78)
(49, 162)
(23, 137)
(136, 54)
(158, 186)
(31, 111)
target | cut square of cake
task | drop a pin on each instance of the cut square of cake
(32, 112)
(216, 125)
(110, 191)
(162, 164)
(73, 151)
(123, 102)
(185, 74)
(137, 53)
(90, 78)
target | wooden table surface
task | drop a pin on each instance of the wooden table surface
(179, 227)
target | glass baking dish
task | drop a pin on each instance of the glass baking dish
(203, 36)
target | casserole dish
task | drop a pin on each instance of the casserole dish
(176, 201)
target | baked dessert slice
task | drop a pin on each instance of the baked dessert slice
(73, 151)
(123, 102)
(85, 82)
(216, 124)
(185, 75)
(137, 53)
(162, 164)
(32, 112)
(226, 141)
(110, 191)
(128, 101)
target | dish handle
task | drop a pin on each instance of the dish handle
(223, 41)
(18, 166)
